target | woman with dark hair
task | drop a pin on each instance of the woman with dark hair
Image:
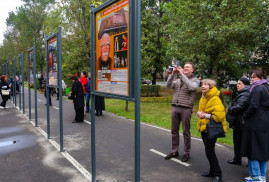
(236, 110)
(255, 138)
(77, 96)
(4, 88)
(83, 80)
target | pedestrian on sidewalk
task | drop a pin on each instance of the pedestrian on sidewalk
(99, 105)
(4, 91)
(77, 95)
(49, 89)
(63, 87)
(83, 80)
(236, 110)
(210, 105)
(40, 79)
(255, 138)
(88, 92)
(185, 84)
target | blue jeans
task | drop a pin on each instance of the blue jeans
(88, 97)
(257, 168)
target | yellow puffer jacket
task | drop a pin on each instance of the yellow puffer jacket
(211, 104)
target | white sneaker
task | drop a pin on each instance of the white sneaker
(1, 107)
(250, 179)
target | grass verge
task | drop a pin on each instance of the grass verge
(158, 114)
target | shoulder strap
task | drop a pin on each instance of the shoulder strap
(265, 89)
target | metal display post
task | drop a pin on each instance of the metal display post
(15, 81)
(34, 49)
(13, 85)
(137, 36)
(59, 49)
(29, 88)
(19, 75)
(93, 97)
(23, 97)
(47, 90)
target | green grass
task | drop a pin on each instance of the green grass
(158, 114)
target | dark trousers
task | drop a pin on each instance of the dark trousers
(211, 154)
(45, 93)
(4, 101)
(79, 114)
(88, 98)
(237, 137)
(181, 114)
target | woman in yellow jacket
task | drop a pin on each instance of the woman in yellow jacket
(210, 105)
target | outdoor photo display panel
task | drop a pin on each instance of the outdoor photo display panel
(52, 61)
(112, 54)
(31, 66)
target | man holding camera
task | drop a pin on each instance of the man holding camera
(185, 84)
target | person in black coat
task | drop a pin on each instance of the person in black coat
(77, 95)
(99, 105)
(4, 86)
(236, 110)
(255, 138)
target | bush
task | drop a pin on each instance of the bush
(150, 90)
(166, 99)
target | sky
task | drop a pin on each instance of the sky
(6, 6)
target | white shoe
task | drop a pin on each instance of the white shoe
(1, 107)
(250, 179)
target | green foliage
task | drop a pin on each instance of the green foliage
(166, 99)
(217, 35)
(158, 114)
(153, 39)
(150, 90)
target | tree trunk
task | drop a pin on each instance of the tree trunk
(126, 105)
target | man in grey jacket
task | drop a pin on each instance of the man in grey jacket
(185, 84)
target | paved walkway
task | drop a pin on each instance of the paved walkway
(34, 158)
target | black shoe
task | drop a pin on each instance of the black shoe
(98, 113)
(207, 174)
(234, 162)
(50, 104)
(74, 121)
(185, 158)
(87, 111)
(217, 179)
(171, 155)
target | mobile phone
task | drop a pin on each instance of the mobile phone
(178, 63)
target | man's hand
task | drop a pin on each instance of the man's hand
(180, 70)
(174, 70)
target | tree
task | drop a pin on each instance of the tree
(217, 35)
(153, 39)
(25, 27)
(74, 18)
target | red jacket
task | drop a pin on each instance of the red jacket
(83, 81)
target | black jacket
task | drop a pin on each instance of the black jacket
(255, 138)
(238, 106)
(77, 95)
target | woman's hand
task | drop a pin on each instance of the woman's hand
(201, 114)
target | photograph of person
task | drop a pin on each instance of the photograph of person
(52, 61)
(104, 59)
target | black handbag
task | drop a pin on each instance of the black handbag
(231, 119)
(214, 130)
